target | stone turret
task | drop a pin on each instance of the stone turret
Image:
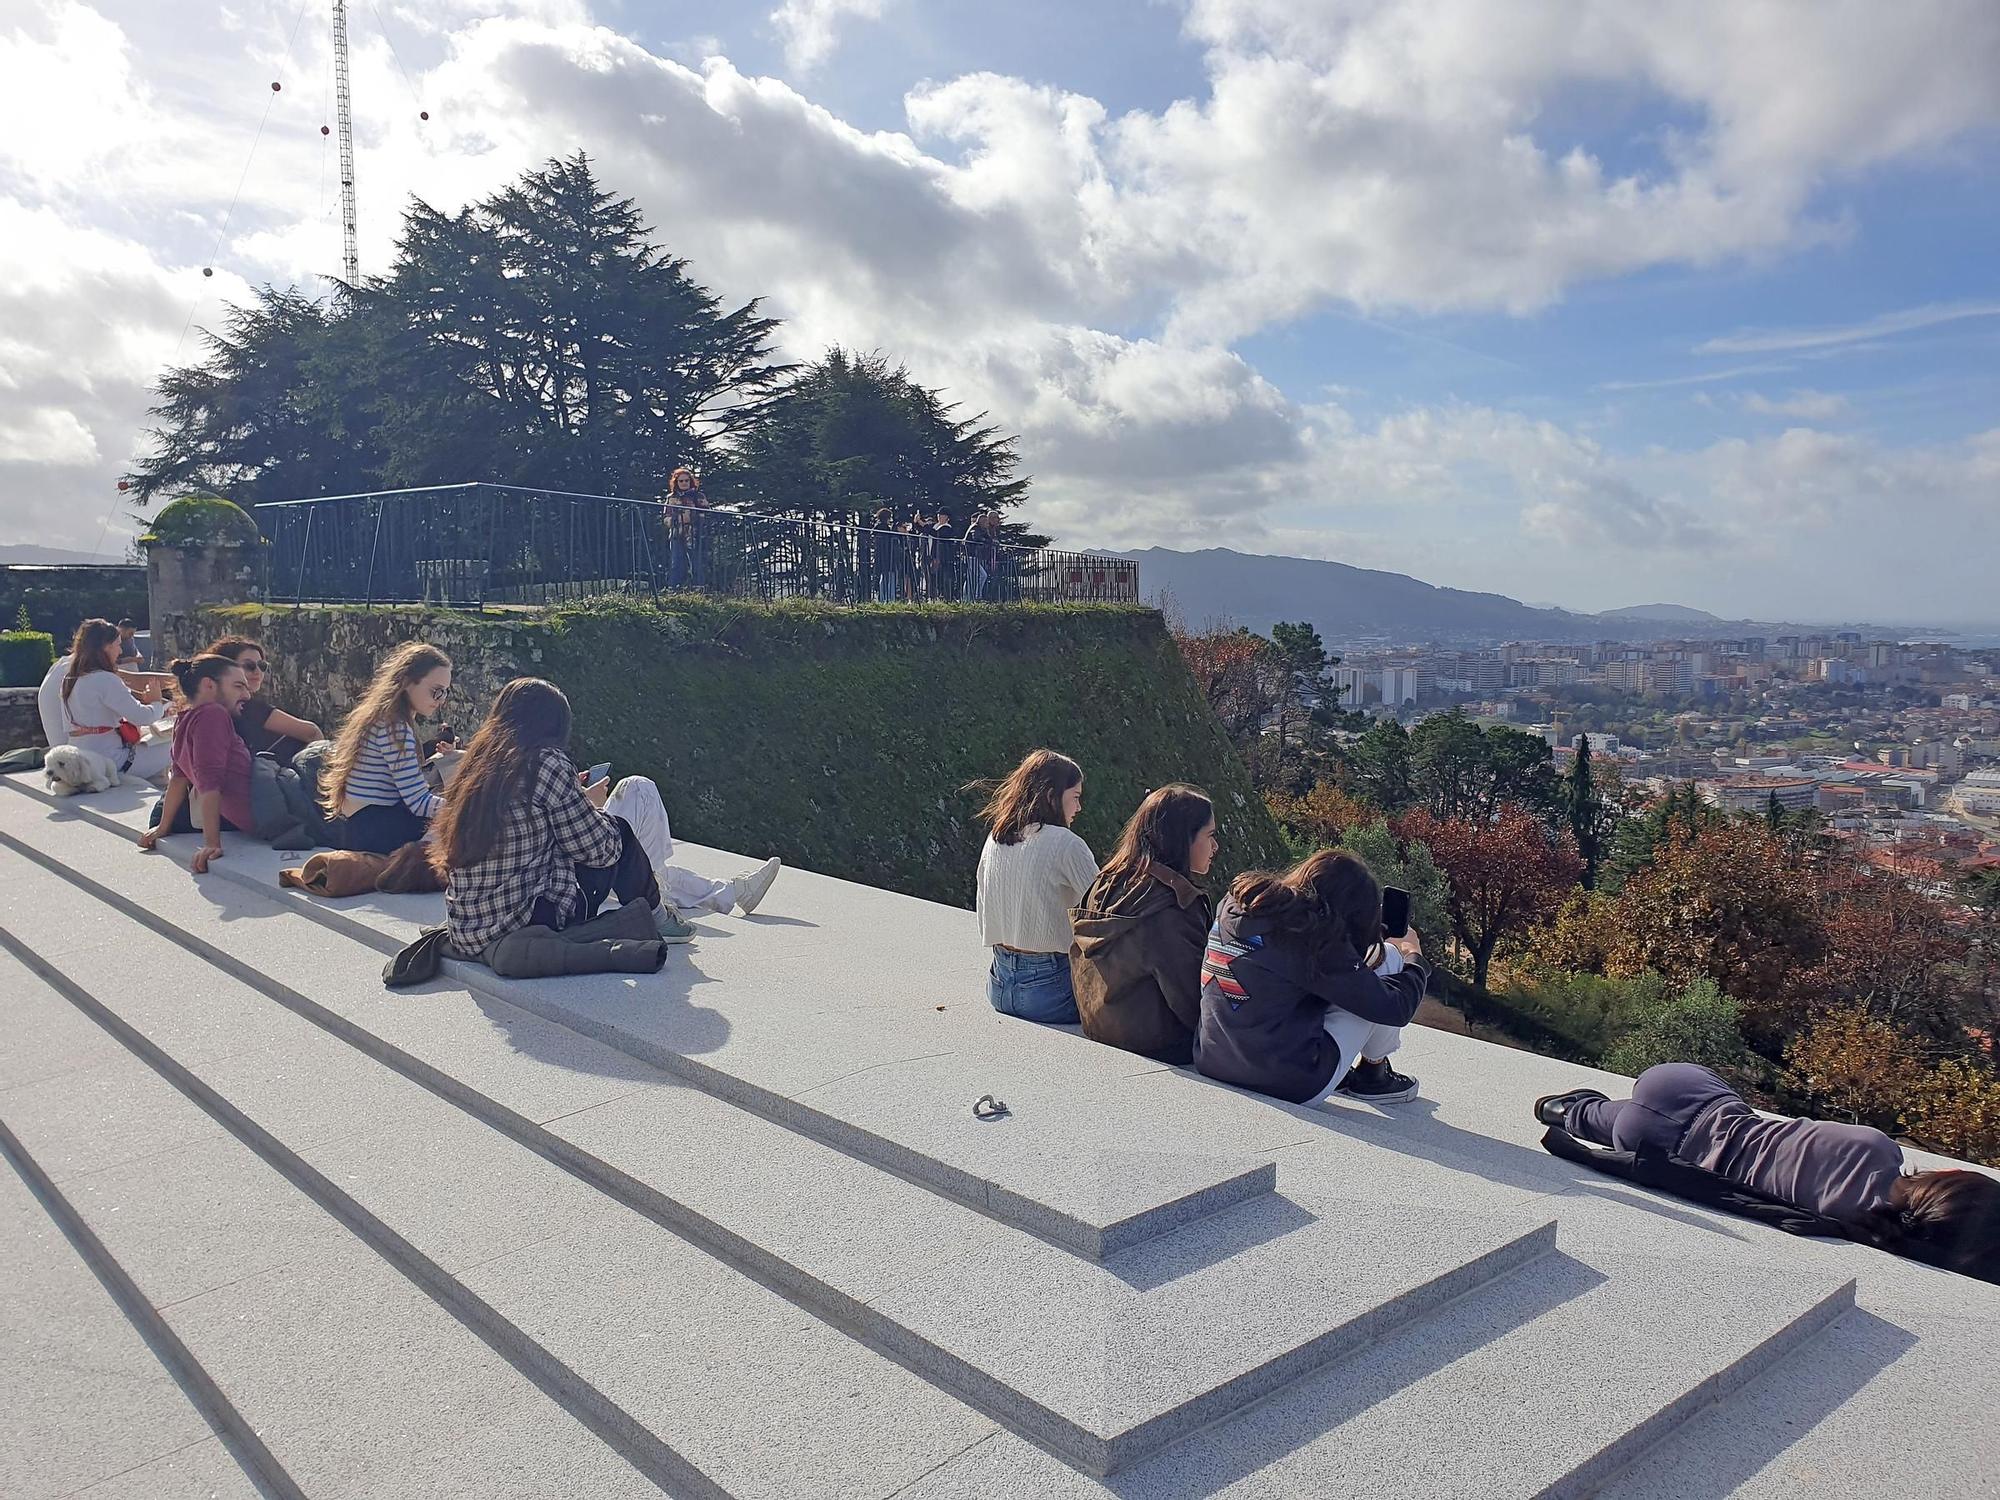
(202, 552)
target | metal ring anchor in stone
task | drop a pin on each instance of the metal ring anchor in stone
(986, 1107)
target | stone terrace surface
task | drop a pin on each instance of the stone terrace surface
(732, 1229)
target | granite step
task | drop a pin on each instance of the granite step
(1122, 1358)
(90, 1405)
(354, 1381)
(811, 1054)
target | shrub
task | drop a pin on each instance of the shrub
(1700, 1024)
(1848, 1062)
(1591, 1012)
(201, 520)
(25, 657)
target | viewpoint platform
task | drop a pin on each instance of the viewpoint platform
(734, 1230)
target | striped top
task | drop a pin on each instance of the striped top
(390, 769)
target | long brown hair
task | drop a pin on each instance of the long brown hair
(1031, 794)
(1944, 1218)
(1329, 902)
(387, 701)
(528, 717)
(86, 652)
(1162, 831)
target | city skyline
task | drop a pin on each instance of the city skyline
(1602, 311)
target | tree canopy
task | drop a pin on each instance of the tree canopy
(541, 337)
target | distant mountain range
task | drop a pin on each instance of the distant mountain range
(1348, 604)
(1668, 614)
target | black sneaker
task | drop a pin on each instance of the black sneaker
(1377, 1082)
(1553, 1109)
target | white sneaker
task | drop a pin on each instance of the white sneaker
(754, 887)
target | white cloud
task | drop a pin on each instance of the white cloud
(46, 435)
(1082, 276)
(810, 29)
(1806, 406)
(1776, 340)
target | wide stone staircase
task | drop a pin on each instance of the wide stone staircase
(732, 1229)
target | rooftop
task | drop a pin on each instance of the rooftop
(731, 1229)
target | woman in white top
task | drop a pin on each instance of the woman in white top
(95, 701)
(1031, 872)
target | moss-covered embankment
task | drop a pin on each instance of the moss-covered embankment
(839, 738)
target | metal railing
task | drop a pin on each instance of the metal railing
(491, 544)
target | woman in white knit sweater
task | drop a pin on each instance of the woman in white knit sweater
(1032, 870)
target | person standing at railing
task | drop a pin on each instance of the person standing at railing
(944, 556)
(687, 538)
(887, 545)
(982, 554)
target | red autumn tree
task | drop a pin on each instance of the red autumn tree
(1505, 875)
(1735, 904)
(1900, 955)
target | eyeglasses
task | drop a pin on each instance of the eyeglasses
(251, 666)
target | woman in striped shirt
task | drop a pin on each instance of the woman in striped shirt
(374, 779)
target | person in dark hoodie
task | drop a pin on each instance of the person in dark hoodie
(1300, 996)
(1136, 961)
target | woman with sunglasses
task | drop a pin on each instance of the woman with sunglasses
(266, 729)
(374, 778)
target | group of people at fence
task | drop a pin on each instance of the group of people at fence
(1291, 985)
(900, 556)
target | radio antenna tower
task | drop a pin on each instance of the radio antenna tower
(344, 115)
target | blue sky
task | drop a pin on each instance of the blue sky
(1577, 300)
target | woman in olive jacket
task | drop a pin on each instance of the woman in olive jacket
(1136, 960)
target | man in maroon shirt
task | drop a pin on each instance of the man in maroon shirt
(209, 757)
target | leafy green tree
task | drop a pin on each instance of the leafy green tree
(537, 337)
(1677, 817)
(1459, 770)
(852, 432)
(1376, 767)
(275, 411)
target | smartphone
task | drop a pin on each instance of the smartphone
(445, 735)
(597, 773)
(1395, 912)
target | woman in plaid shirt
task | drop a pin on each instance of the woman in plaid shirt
(522, 843)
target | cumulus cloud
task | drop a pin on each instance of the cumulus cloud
(810, 29)
(1085, 277)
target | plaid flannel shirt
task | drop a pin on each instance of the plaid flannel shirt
(548, 833)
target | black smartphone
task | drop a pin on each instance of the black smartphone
(1395, 912)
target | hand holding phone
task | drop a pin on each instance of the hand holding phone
(1395, 912)
(599, 772)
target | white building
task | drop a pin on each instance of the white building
(1399, 685)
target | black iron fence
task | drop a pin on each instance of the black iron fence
(481, 544)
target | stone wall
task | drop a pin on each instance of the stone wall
(842, 739)
(20, 721)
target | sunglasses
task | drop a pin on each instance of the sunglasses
(251, 666)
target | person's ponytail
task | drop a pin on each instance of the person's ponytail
(190, 674)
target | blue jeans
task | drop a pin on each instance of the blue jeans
(1033, 986)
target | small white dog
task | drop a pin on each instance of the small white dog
(70, 769)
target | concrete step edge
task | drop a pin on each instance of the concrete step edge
(208, 1398)
(603, 1417)
(1094, 1452)
(1092, 1242)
